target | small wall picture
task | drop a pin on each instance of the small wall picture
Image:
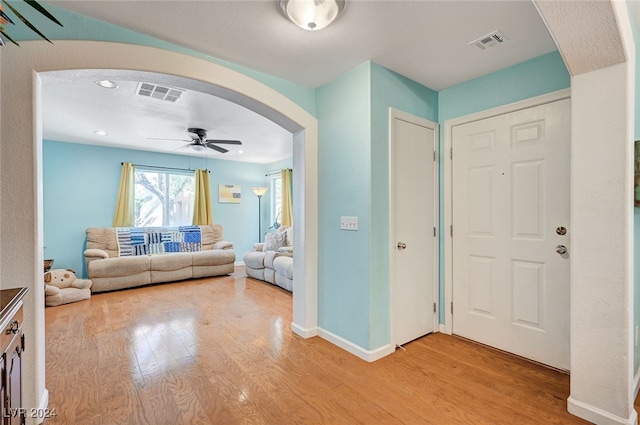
(229, 194)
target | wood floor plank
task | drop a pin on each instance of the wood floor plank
(220, 351)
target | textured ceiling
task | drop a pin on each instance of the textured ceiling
(426, 41)
(603, 47)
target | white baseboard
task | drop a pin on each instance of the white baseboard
(356, 350)
(598, 416)
(303, 332)
(44, 404)
(442, 328)
(238, 263)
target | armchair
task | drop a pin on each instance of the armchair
(272, 260)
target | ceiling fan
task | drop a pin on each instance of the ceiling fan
(199, 140)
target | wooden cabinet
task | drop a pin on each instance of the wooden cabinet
(12, 343)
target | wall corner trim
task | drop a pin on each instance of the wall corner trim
(44, 405)
(356, 350)
(303, 332)
(598, 416)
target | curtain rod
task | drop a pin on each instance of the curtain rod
(164, 168)
(276, 172)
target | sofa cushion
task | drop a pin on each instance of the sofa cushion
(119, 266)
(215, 257)
(210, 235)
(254, 259)
(288, 232)
(284, 266)
(273, 241)
(170, 262)
(268, 259)
(103, 238)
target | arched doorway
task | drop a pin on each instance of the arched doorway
(21, 168)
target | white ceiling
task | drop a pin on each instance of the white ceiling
(426, 41)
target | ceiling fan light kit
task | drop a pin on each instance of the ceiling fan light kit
(200, 141)
(312, 15)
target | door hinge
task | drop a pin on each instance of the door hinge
(434, 232)
(451, 230)
(451, 307)
(451, 152)
(435, 156)
(434, 307)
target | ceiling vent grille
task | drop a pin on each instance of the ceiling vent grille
(490, 40)
(159, 92)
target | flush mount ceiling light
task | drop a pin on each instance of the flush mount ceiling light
(312, 15)
(107, 84)
(101, 133)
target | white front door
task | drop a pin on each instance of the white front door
(413, 205)
(510, 180)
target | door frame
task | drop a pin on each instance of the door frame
(449, 125)
(423, 122)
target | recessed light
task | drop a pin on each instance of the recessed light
(107, 84)
(240, 151)
(101, 133)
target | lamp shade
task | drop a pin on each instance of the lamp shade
(312, 15)
(259, 191)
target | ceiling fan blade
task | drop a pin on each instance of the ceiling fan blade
(222, 141)
(163, 138)
(217, 148)
(183, 146)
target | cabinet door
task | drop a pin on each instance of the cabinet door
(13, 383)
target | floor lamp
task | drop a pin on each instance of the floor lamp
(259, 191)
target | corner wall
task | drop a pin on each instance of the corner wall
(344, 189)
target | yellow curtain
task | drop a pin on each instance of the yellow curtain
(125, 207)
(202, 211)
(287, 198)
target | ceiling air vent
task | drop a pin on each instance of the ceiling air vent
(159, 92)
(489, 40)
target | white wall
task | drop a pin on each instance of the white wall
(596, 44)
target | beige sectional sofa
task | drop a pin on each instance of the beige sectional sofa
(272, 265)
(109, 271)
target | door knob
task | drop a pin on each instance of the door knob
(402, 245)
(561, 249)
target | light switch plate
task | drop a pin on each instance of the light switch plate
(348, 223)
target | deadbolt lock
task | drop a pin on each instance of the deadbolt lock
(561, 230)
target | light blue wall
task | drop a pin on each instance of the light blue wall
(280, 165)
(388, 89)
(538, 76)
(544, 74)
(344, 186)
(80, 27)
(81, 186)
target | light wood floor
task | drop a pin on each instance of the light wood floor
(220, 351)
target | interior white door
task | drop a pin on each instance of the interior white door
(510, 177)
(413, 219)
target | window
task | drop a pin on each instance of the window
(276, 200)
(163, 198)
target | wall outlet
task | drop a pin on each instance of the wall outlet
(349, 223)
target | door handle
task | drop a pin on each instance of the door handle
(402, 245)
(561, 249)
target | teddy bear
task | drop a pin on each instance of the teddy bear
(62, 287)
